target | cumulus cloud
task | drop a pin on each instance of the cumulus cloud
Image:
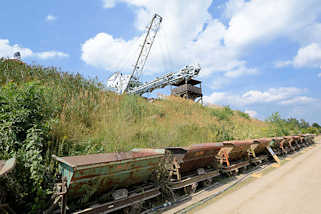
(7, 50)
(50, 18)
(263, 21)
(105, 51)
(286, 100)
(192, 36)
(271, 95)
(308, 56)
(283, 96)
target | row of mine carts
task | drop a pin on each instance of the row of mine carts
(135, 180)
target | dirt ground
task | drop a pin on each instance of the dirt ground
(293, 188)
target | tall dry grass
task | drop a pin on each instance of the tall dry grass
(89, 119)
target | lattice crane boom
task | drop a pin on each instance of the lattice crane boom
(131, 84)
(145, 50)
(184, 74)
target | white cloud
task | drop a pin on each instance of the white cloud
(252, 113)
(108, 3)
(284, 95)
(263, 21)
(193, 36)
(241, 72)
(107, 52)
(188, 34)
(50, 18)
(308, 56)
(281, 64)
(51, 54)
(232, 7)
(319, 75)
(298, 100)
(285, 100)
(7, 50)
(271, 95)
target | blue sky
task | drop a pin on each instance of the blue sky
(256, 56)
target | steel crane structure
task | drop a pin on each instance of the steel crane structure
(185, 74)
(131, 84)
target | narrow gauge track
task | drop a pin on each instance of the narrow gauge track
(232, 182)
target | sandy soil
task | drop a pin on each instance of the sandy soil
(293, 188)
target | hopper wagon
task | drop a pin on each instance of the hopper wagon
(296, 142)
(187, 166)
(126, 178)
(260, 153)
(278, 145)
(304, 141)
(308, 139)
(290, 144)
(236, 155)
(127, 181)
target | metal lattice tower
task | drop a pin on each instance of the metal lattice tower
(147, 45)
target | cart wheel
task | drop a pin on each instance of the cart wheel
(134, 209)
(236, 171)
(208, 182)
(190, 189)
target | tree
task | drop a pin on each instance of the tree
(304, 124)
(316, 125)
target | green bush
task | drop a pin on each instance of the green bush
(224, 113)
(244, 115)
(24, 129)
(290, 126)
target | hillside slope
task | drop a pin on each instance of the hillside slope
(85, 113)
(44, 111)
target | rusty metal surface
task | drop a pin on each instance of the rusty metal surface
(240, 149)
(195, 156)
(277, 139)
(102, 172)
(186, 88)
(262, 144)
(7, 166)
(94, 159)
